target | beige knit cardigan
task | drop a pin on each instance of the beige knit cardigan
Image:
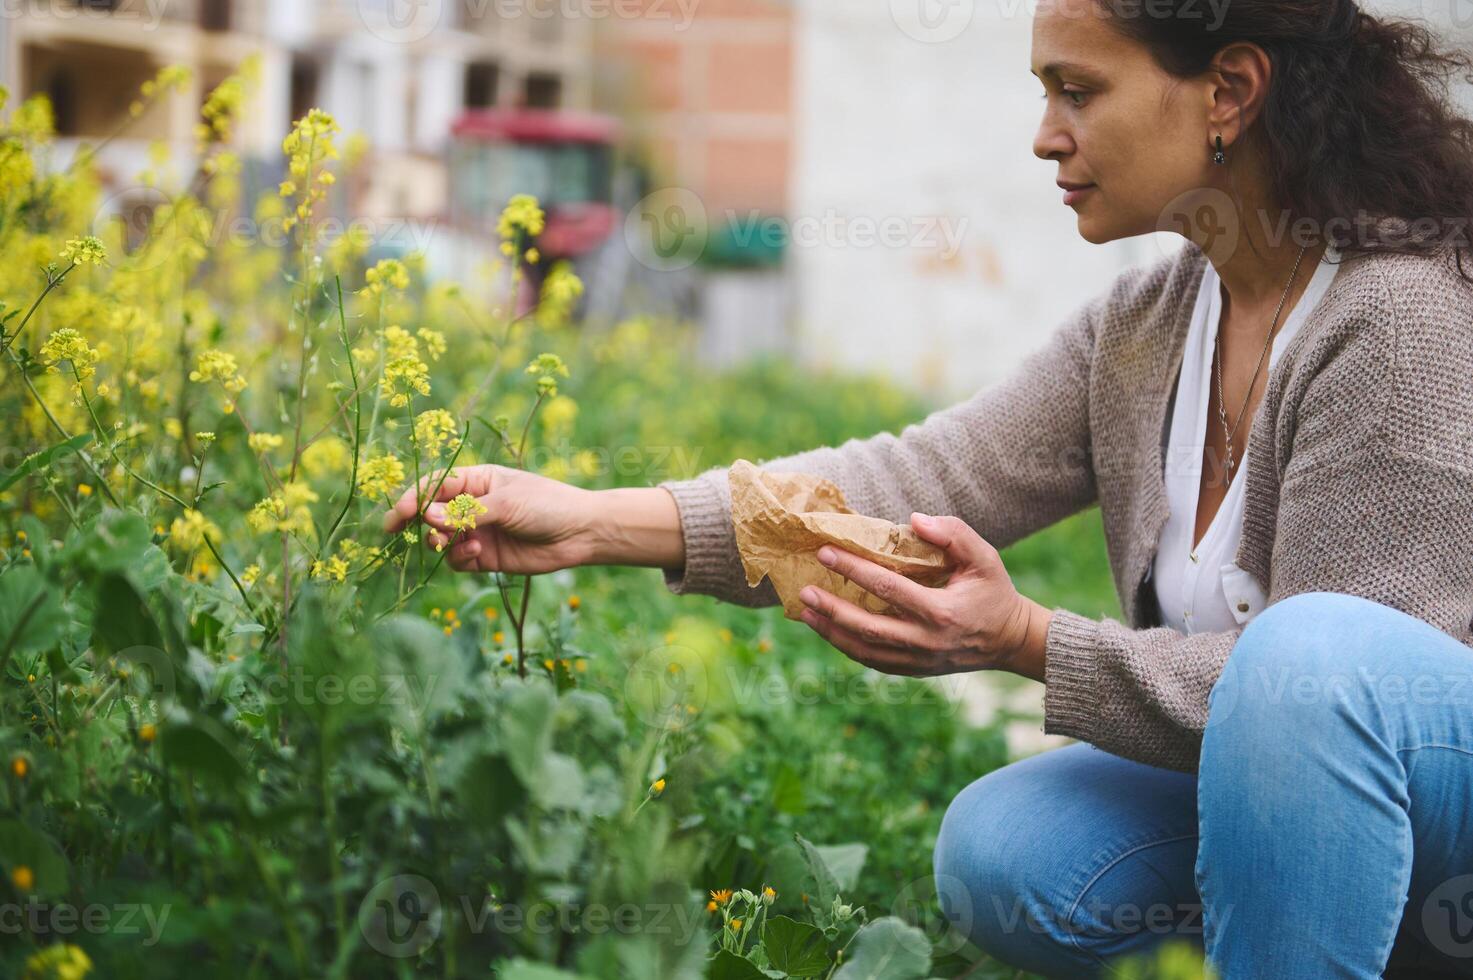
(1359, 470)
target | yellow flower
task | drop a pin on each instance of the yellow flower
(768, 894)
(548, 366)
(388, 273)
(461, 512)
(84, 489)
(308, 148)
(657, 787)
(574, 602)
(560, 291)
(721, 896)
(334, 569)
(434, 342)
(249, 576)
(19, 767)
(436, 433)
(68, 345)
(190, 529)
(403, 378)
(498, 637)
(264, 442)
(327, 456)
(148, 731)
(217, 365)
(490, 612)
(87, 250)
(23, 878)
(380, 476)
(734, 925)
(285, 511)
(60, 961)
(223, 106)
(521, 216)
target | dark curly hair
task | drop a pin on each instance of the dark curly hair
(1359, 125)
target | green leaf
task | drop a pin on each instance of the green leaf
(202, 746)
(22, 846)
(727, 965)
(31, 615)
(39, 461)
(526, 724)
(887, 949)
(796, 948)
(845, 861)
(825, 886)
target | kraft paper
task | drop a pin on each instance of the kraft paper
(782, 519)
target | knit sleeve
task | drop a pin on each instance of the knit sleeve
(1372, 499)
(1011, 460)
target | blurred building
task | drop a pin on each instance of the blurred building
(397, 71)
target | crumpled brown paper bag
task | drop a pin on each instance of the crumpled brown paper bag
(781, 520)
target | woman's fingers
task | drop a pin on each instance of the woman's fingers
(878, 581)
(474, 480)
(954, 536)
(867, 626)
(885, 659)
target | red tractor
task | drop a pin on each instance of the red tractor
(564, 159)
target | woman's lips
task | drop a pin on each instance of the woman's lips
(1075, 195)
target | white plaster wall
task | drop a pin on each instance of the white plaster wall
(891, 125)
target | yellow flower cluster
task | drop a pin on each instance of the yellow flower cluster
(326, 457)
(265, 442)
(218, 365)
(560, 292)
(388, 273)
(285, 511)
(59, 961)
(87, 250)
(436, 433)
(334, 569)
(189, 530)
(380, 476)
(461, 512)
(67, 345)
(308, 147)
(223, 106)
(521, 217)
(405, 377)
(547, 367)
(170, 78)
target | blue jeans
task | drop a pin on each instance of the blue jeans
(1329, 827)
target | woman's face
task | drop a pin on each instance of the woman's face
(1113, 119)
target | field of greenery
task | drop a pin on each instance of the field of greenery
(245, 733)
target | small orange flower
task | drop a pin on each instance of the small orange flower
(721, 896)
(574, 602)
(148, 731)
(19, 767)
(23, 878)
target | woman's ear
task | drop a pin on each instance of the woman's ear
(1239, 84)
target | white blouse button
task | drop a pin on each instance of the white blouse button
(1242, 606)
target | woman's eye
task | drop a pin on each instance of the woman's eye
(1072, 93)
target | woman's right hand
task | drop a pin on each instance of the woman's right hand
(532, 523)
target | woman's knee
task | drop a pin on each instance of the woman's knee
(1304, 654)
(991, 883)
(1034, 862)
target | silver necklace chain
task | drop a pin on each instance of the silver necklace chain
(1221, 412)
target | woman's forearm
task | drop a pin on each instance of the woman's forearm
(635, 526)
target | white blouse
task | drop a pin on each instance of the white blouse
(1201, 589)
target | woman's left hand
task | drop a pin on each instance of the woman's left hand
(977, 621)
